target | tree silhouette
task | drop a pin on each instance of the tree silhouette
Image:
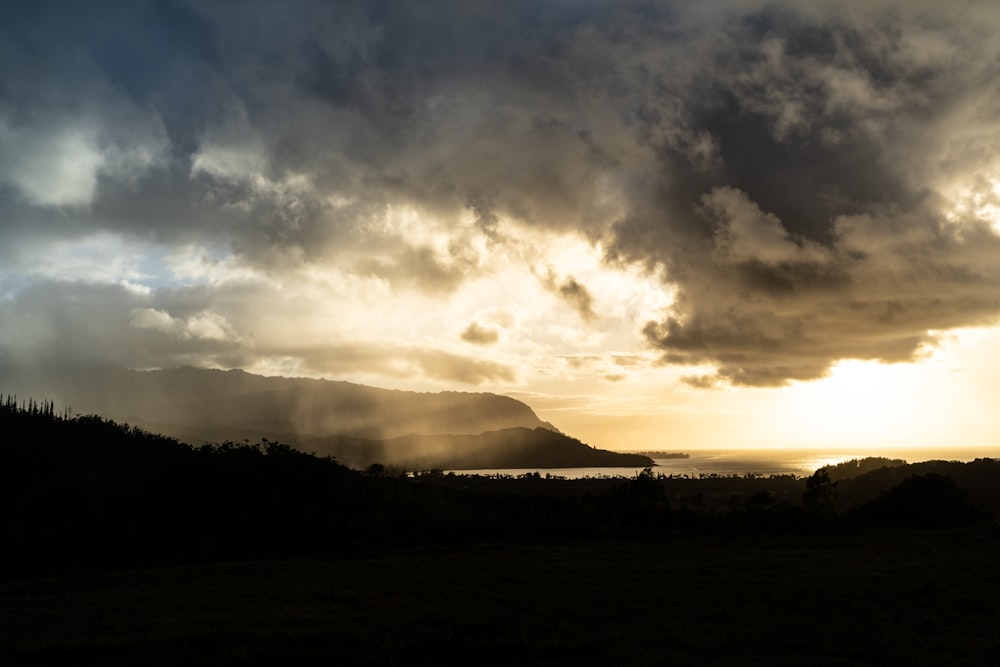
(820, 492)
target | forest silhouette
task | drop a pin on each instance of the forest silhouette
(86, 491)
(85, 495)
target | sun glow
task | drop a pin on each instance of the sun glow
(865, 403)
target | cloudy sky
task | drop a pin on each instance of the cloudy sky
(661, 224)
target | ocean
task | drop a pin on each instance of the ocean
(765, 462)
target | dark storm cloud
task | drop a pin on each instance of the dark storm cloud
(816, 231)
(480, 335)
(571, 291)
(784, 168)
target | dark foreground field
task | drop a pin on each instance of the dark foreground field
(121, 547)
(906, 598)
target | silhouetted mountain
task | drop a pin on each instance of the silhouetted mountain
(507, 448)
(213, 401)
(359, 425)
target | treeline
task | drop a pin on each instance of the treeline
(31, 407)
(84, 492)
(88, 492)
(857, 467)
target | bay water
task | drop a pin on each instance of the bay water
(763, 462)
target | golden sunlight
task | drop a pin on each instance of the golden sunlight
(865, 403)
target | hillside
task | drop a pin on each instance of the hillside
(194, 399)
(979, 478)
(359, 425)
(122, 547)
(506, 448)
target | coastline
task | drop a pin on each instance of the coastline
(763, 462)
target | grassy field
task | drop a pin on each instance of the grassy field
(906, 598)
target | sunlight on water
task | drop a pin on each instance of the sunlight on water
(763, 462)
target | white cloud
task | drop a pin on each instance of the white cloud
(235, 162)
(210, 326)
(51, 166)
(206, 326)
(151, 318)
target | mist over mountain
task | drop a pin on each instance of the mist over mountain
(359, 425)
(215, 400)
(517, 447)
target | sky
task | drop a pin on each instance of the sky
(663, 225)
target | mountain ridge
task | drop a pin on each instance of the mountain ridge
(352, 422)
(238, 399)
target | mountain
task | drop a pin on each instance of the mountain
(219, 403)
(506, 448)
(357, 424)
